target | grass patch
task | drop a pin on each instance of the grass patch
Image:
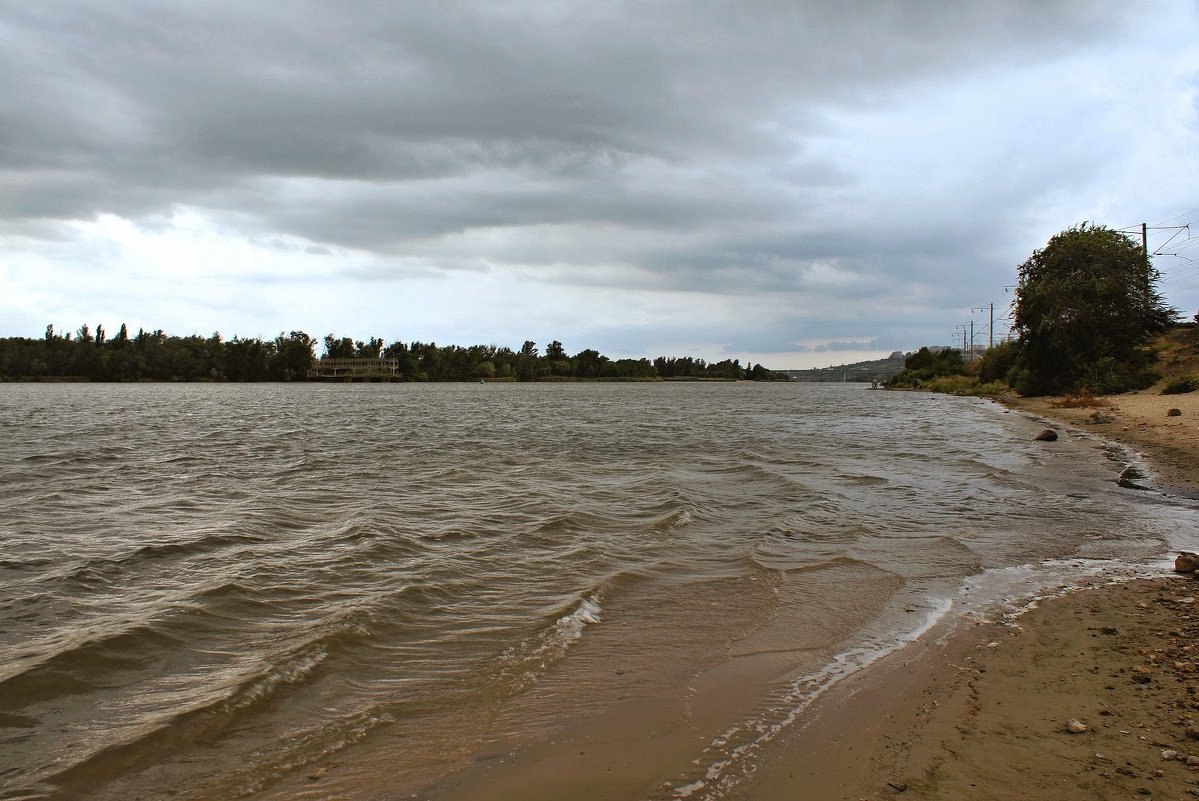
(1083, 399)
(964, 385)
(1181, 384)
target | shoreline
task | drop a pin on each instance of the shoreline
(982, 710)
(1139, 421)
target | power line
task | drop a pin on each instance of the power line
(1172, 219)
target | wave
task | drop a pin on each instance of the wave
(357, 560)
(103, 568)
(521, 665)
(293, 669)
(677, 519)
(729, 757)
(96, 657)
(195, 730)
(20, 565)
(163, 726)
(69, 665)
(237, 600)
(313, 744)
(556, 528)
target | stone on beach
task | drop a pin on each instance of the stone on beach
(1075, 726)
(1186, 562)
(1048, 435)
(1131, 477)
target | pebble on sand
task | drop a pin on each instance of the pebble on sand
(1186, 562)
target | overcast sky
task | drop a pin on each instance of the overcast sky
(793, 183)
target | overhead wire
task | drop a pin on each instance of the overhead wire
(1180, 216)
(1182, 277)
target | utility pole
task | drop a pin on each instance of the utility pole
(1145, 240)
(990, 307)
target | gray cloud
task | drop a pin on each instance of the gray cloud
(138, 105)
(654, 147)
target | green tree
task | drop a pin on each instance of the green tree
(1087, 306)
(294, 356)
(590, 363)
(339, 348)
(927, 364)
(527, 367)
(369, 349)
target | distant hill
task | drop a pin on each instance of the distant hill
(875, 370)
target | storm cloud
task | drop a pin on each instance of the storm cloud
(782, 182)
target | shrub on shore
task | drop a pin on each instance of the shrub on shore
(925, 365)
(966, 385)
(1179, 385)
(997, 363)
(1083, 399)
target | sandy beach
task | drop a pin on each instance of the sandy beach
(1142, 421)
(985, 712)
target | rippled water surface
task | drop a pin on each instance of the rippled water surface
(351, 591)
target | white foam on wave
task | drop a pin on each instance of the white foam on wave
(570, 626)
(523, 663)
(293, 671)
(1001, 594)
(719, 757)
(1009, 592)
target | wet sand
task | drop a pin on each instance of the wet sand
(1139, 420)
(983, 712)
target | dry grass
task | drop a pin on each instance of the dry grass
(1179, 350)
(1080, 400)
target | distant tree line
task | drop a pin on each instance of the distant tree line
(156, 356)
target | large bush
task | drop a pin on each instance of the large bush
(927, 364)
(996, 363)
(1087, 306)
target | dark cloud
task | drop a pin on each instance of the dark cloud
(129, 108)
(653, 147)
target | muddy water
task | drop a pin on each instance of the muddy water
(390, 591)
